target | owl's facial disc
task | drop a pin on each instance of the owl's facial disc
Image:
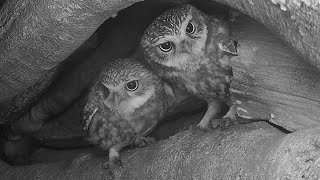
(185, 30)
(143, 92)
(128, 96)
(180, 50)
(176, 40)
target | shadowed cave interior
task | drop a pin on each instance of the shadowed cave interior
(61, 137)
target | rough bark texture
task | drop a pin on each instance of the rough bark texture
(255, 151)
(296, 21)
(1, 3)
(271, 81)
(36, 36)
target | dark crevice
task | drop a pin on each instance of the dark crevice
(2, 3)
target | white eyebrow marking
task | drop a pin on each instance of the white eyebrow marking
(184, 25)
(128, 107)
(165, 39)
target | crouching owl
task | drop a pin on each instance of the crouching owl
(125, 103)
(192, 50)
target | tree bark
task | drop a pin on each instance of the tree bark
(297, 22)
(36, 36)
(253, 151)
(271, 81)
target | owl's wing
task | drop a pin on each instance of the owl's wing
(149, 130)
(171, 99)
(222, 34)
(170, 95)
(89, 111)
(94, 105)
(229, 47)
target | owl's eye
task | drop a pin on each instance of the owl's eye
(190, 28)
(165, 47)
(132, 85)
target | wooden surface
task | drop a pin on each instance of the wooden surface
(297, 22)
(271, 81)
(252, 151)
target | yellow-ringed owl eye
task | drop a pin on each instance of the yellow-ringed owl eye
(132, 85)
(165, 47)
(190, 28)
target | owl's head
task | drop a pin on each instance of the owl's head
(127, 84)
(175, 37)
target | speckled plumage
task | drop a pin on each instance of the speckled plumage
(197, 62)
(116, 117)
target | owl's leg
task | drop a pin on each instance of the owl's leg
(115, 164)
(114, 154)
(231, 117)
(232, 113)
(213, 109)
(227, 120)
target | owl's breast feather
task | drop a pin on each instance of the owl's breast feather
(210, 80)
(107, 128)
(146, 117)
(104, 126)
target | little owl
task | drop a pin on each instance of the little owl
(124, 105)
(191, 50)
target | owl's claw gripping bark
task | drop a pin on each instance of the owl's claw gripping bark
(114, 164)
(114, 157)
(229, 119)
(212, 111)
(208, 122)
(223, 122)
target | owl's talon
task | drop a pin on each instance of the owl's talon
(117, 162)
(114, 157)
(114, 166)
(223, 123)
(203, 127)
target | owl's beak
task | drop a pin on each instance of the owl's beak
(185, 47)
(112, 100)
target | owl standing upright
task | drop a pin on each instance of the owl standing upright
(192, 50)
(124, 105)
